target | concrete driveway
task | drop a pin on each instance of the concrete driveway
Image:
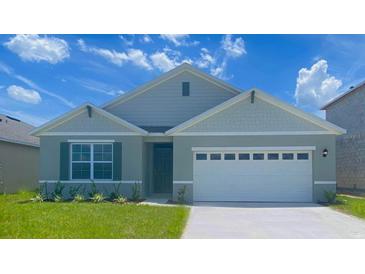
(270, 221)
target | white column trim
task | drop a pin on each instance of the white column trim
(324, 182)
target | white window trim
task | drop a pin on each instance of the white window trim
(91, 162)
(250, 152)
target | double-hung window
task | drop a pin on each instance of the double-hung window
(92, 161)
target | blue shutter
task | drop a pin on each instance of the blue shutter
(64, 161)
(117, 161)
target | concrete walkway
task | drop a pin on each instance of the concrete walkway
(270, 221)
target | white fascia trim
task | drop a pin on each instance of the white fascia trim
(183, 182)
(89, 182)
(291, 148)
(89, 134)
(18, 142)
(265, 133)
(167, 76)
(69, 115)
(90, 141)
(306, 116)
(324, 182)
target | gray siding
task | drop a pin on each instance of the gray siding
(95, 123)
(132, 150)
(324, 169)
(164, 105)
(349, 113)
(19, 167)
(257, 117)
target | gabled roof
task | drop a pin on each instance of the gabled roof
(168, 75)
(266, 97)
(343, 95)
(15, 131)
(69, 115)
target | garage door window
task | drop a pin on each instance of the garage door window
(215, 156)
(288, 156)
(258, 156)
(244, 156)
(273, 156)
(229, 156)
(302, 156)
(201, 156)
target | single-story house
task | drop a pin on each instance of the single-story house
(348, 111)
(19, 156)
(187, 130)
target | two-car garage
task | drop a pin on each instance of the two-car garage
(262, 174)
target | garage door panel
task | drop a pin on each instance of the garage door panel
(253, 180)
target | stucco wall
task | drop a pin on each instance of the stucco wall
(324, 169)
(19, 167)
(132, 153)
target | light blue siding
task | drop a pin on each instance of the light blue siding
(257, 117)
(164, 105)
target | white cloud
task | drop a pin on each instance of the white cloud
(146, 39)
(233, 47)
(161, 61)
(24, 95)
(10, 72)
(36, 48)
(315, 86)
(128, 40)
(135, 56)
(179, 39)
(206, 59)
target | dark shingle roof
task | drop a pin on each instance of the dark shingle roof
(15, 131)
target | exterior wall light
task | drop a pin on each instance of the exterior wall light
(325, 152)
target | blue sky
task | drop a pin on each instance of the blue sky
(42, 77)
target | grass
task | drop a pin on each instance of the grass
(350, 205)
(22, 219)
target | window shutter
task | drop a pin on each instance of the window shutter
(65, 161)
(117, 161)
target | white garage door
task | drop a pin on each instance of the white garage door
(269, 176)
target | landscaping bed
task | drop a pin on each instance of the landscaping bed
(23, 218)
(350, 204)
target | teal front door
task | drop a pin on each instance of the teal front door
(162, 168)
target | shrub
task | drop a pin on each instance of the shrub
(120, 200)
(58, 192)
(181, 195)
(93, 189)
(98, 198)
(330, 196)
(73, 190)
(79, 198)
(136, 192)
(38, 198)
(115, 193)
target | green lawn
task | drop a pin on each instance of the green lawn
(351, 205)
(20, 218)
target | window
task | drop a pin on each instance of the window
(92, 161)
(215, 156)
(288, 156)
(244, 156)
(258, 156)
(201, 156)
(302, 156)
(229, 156)
(273, 156)
(186, 89)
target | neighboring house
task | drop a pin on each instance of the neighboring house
(189, 130)
(19, 156)
(348, 111)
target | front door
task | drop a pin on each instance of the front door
(162, 168)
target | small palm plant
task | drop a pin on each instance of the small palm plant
(98, 198)
(79, 198)
(120, 200)
(38, 198)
